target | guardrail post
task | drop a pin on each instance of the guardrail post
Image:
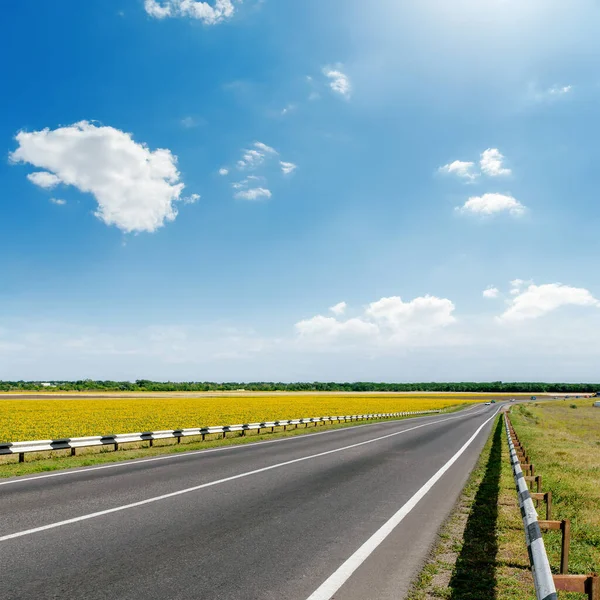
(594, 587)
(72, 451)
(21, 457)
(580, 584)
(565, 527)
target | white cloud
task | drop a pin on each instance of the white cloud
(44, 179)
(223, 171)
(209, 14)
(426, 312)
(388, 320)
(254, 157)
(339, 308)
(517, 284)
(539, 300)
(58, 201)
(491, 163)
(191, 199)
(460, 168)
(288, 109)
(253, 194)
(491, 292)
(264, 148)
(490, 204)
(136, 188)
(326, 329)
(560, 90)
(287, 167)
(338, 81)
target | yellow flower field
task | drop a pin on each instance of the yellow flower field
(29, 419)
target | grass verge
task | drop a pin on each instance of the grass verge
(563, 442)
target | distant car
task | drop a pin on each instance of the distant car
(493, 402)
(512, 399)
(487, 403)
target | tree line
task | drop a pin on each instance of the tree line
(146, 385)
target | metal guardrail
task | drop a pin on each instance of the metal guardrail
(21, 448)
(540, 566)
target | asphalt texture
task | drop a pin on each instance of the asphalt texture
(271, 520)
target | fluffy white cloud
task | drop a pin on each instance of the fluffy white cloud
(491, 292)
(423, 313)
(254, 157)
(339, 308)
(191, 199)
(460, 168)
(491, 163)
(136, 188)
(490, 204)
(388, 320)
(264, 148)
(44, 179)
(58, 201)
(325, 329)
(253, 194)
(538, 300)
(287, 167)
(517, 284)
(223, 171)
(558, 90)
(338, 81)
(209, 14)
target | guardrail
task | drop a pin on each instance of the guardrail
(546, 584)
(21, 448)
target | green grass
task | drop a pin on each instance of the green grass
(564, 446)
(481, 552)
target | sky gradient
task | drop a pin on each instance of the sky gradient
(315, 190)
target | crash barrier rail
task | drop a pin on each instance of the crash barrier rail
(21, 448)
(546, 584)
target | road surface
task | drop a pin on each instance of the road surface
(347, 514)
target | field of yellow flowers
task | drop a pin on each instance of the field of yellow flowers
(33, 419)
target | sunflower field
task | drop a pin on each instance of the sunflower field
(52, 418)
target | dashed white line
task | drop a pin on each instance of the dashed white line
(188, 453)
(213, 483)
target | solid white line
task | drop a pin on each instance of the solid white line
(184, 454)
(210, 484)
(333, 583)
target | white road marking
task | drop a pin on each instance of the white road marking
(333, 583)
(212, 483)
(184, 454)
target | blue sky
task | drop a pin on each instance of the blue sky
(393, 160)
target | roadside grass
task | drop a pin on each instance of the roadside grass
(481, 551)
(563, 442)
(39, 462)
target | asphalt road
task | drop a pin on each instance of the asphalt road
(281, 519)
